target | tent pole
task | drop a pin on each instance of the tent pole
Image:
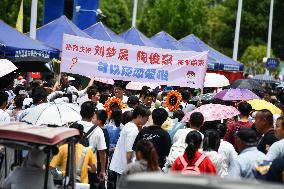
(237, 31)
(33, 19)
(134, 13)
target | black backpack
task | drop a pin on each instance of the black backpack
(85, 139)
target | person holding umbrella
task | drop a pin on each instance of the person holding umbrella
(243, 122)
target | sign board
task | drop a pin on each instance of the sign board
(35, 75)
(119, 61)
(272, 63)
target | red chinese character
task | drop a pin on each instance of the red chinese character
(123, 54)
(75, 48)
(180, 62)
(110, 52)
(200, 62)
(154, 58)
(187, 62)
(82, 49)
(167, 59)
(68, 47)
(141, 55)
(99, 50)
(88, 50)
(194, 62)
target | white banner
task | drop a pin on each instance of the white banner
(96, 58)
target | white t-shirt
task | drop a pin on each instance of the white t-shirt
(218, 161)
(124, 99)
(227, 151)
(4, 117)
(276, 150)
(124, 145)
(182, 133)
(97, 137)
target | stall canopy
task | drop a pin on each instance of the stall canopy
(224, 63)
(135, 37)
(166, 41)
(52, 33)
(101, 32)
(18, 47)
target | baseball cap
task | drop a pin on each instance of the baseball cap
(248, 136)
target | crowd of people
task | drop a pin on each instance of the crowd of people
(137, 132)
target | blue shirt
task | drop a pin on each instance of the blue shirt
(176, 126)
(114, 133)
(245, 163)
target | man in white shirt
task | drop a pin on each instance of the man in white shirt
(96, 138)
(195, 122)
(94, 95)
(118, 92)
(123, 152)
(4, 116)
(276, 150)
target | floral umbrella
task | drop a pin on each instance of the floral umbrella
(212, 112)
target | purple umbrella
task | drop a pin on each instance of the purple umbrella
(236, 94)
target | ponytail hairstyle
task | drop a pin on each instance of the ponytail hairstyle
(149, 154)
(116, 116)
(193, 140)
(211, 140)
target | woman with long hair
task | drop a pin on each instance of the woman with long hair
(147, 161)
(191, 156)
(211, 143)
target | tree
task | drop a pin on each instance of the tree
(253, 59)
(117, 15)
(9, 12)
(178, 18)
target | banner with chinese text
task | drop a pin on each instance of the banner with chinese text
(96, 58)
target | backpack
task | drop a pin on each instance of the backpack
(85, 139)
(191, 169)
(176, 150)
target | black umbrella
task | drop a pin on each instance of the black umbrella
(265, 78)
(247, 84)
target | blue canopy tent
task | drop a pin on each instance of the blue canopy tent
(166, 41)
(27, 54)
(135, 37)
(52, 33)
(224, 63)
(18, 47)
(101, 32)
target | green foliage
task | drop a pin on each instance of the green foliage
(9, 12)
(178, 18)
(118, 17)
(211, 20)
(253, 59)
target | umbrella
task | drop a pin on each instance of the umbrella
(265, 78)
(215, 80)
(6, 67)
(138, 86)
(236, 94)
(104, 80)
(258, 104)
(280, 85)
(247, 84)
(204, 97)
(53, 114)
(213, 112)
